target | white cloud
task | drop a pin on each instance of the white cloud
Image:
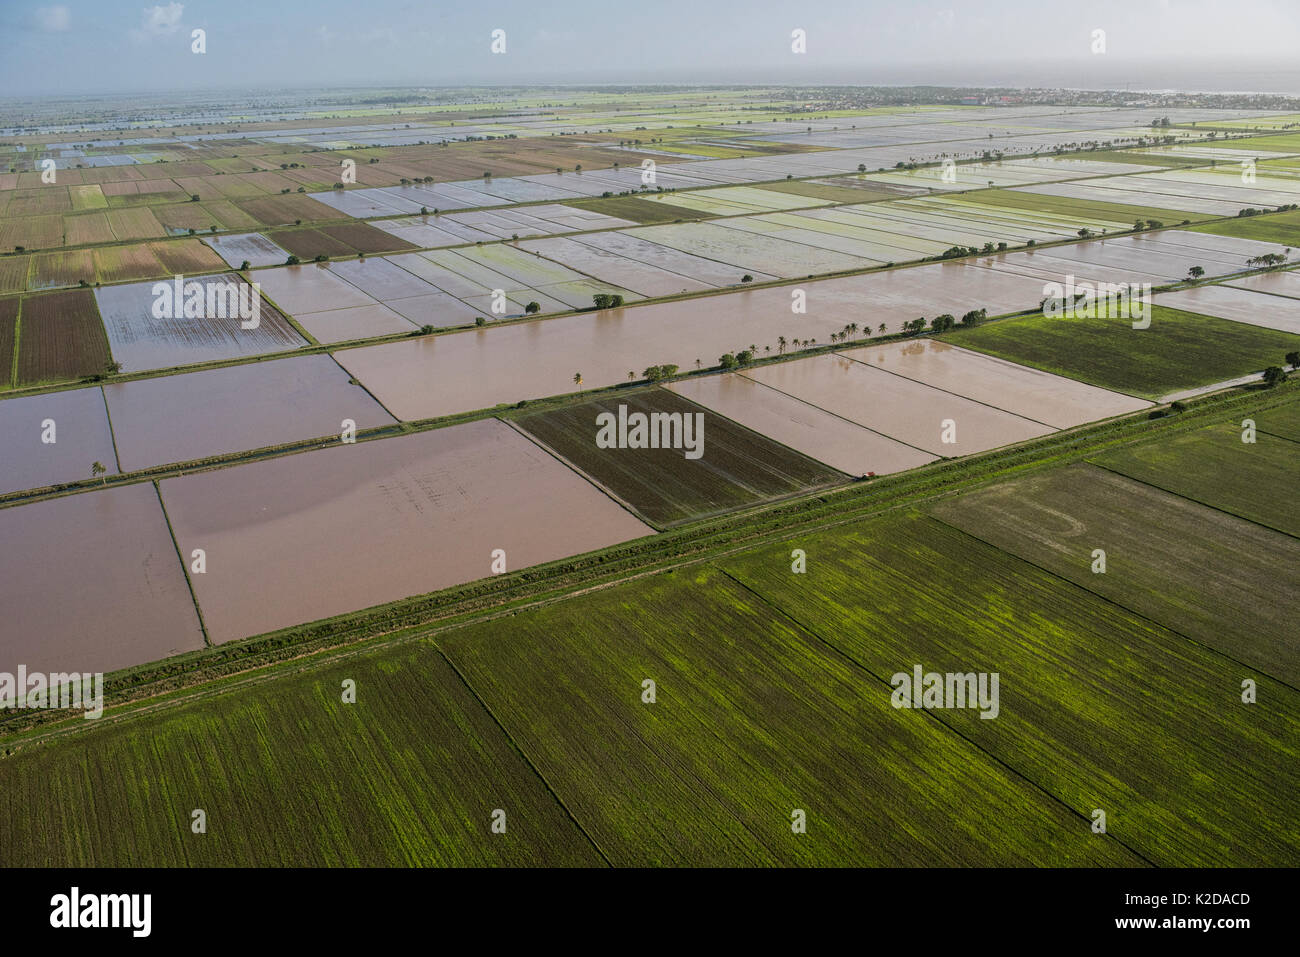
(159, 20)
(52, 19)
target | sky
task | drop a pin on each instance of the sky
(110, 46)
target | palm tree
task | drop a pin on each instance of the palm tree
(577, 378)
(882, 328)
(97, 468)
(698, 364)
(631, 376)
(780, 344)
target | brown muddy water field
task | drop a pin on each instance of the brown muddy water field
(80, 432)
(96, 585)
(1050, 399)
(905, 410)
(805, 428)
(180, 418)
(1239, 305)
(458, 372)
(308, 536)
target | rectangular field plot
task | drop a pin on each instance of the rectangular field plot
(354, 322)
(1178, 351)
(1215, 467)
(123, 263)
(697, 780)
(641, 278)
(1158, 548)
(1283, 421)
(253, 248)
(8, 339)
(310, 288)
(523, 268)
(534, 221)
(733, 468)
(58, 269)
(453, 766)
(80, 432)
(839, 443)
(141, 341)
(124, 602)
(364, 238)
(170, 418)
(428, 232)
(13, 273)
(748, 252)
(908, 411)
(1097, 706)
(642, 251)
(1274, 283)
(1141, 254)
(1239, 305)
(380, 279)
(1052, 400)
(1283, 228)
(1129, 191)
(61, 338)
(186, 256)
(307, 244)
(418, 513)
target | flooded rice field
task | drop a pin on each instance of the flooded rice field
(1030, 393)
(253, 248)
(195, 415)
(915, 414)
(53, 438)
(805, 428)
(1239, 305)
(458, 372)
(354, 322)
(1275, 283)
(96, 586)
(142, 341)
(308, 536)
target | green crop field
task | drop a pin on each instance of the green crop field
(1284, 421)
(1146, 157)
(1281, 143)
(1215, 467)
(836, 194)
(289, 775)
(771, 694)
(636, 209)
(737, 468)
(753, 718)
(1180, 350)
(1099, 707)
(1086, 208)
(1226, 582)
(1281, 228)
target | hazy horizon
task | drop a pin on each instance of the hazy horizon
(82, 47)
